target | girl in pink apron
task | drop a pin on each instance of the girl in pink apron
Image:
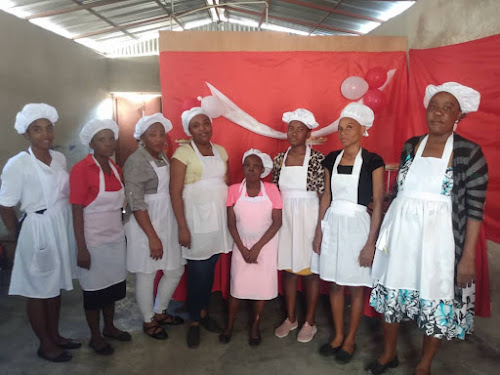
(97, 196)
(254, 217)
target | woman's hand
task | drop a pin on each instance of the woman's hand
(366, 255)
(83, 259)
(185, 237)
(155, 248)
(244, 252)
(253, 254)
(466, 272)
(318, 237)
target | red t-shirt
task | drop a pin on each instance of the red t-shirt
(233, 194)
(84, 181)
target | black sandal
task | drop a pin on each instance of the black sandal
(170, 320)
(155, 331)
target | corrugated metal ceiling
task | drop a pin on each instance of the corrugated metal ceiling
(130, 27)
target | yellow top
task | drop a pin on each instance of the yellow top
(186, 155)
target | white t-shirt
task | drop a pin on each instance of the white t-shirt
(20, 181)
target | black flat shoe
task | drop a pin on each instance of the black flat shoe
(122, 336)
(209, 324)
(254, 341)
(193, 337)
(375, 368)
(344, 357)
(104, 349)
(327, 350)
(63, 357)
(70, 344)
(224, 339)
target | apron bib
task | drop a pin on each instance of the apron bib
(300, 211)
(253, 218)
(205, 209)
(345, 228)
(45, 259)
(416, 248)
(104, 237)
(162, 218)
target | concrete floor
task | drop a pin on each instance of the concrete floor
(284, 356)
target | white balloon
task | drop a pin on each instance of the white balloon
(354, 87)
(213, 106)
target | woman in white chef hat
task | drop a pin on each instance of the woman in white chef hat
(425, 258)
(151, 229)
(98, 197)
(199, 194)
(299, 175)
(45, 253)
(345, 234)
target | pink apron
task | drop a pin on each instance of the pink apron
(258, 281)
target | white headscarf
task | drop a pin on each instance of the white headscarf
(267, 162)
(94, 126)
(144, 123)
(303, 115)
(361, 113)
(467, 97)
(32, 112)
(188, 115)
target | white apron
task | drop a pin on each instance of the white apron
(45, 259)
(105, 238)
(163, 220)
(205, 209)
(253, 218)
(415, 248)
(345, 228)
(300, 215)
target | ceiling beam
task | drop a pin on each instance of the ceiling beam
(108, 21)
(332, 10)
(298, 22)
(124, 26)
(177, 21)
(72, 9)
(266, 9)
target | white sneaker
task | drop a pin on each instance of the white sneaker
(306, 333)
(284, 329)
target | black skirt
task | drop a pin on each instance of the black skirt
(97, 299)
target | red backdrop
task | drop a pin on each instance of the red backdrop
(266, 84)
(475, 64)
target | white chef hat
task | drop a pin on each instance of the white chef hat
(467, 97)
(303, 115)
(361, 113)
(188, 115)
(266, 160)
(94, 126)
(144, 123)
(32, 112)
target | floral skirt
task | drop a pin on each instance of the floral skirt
(438, 318)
